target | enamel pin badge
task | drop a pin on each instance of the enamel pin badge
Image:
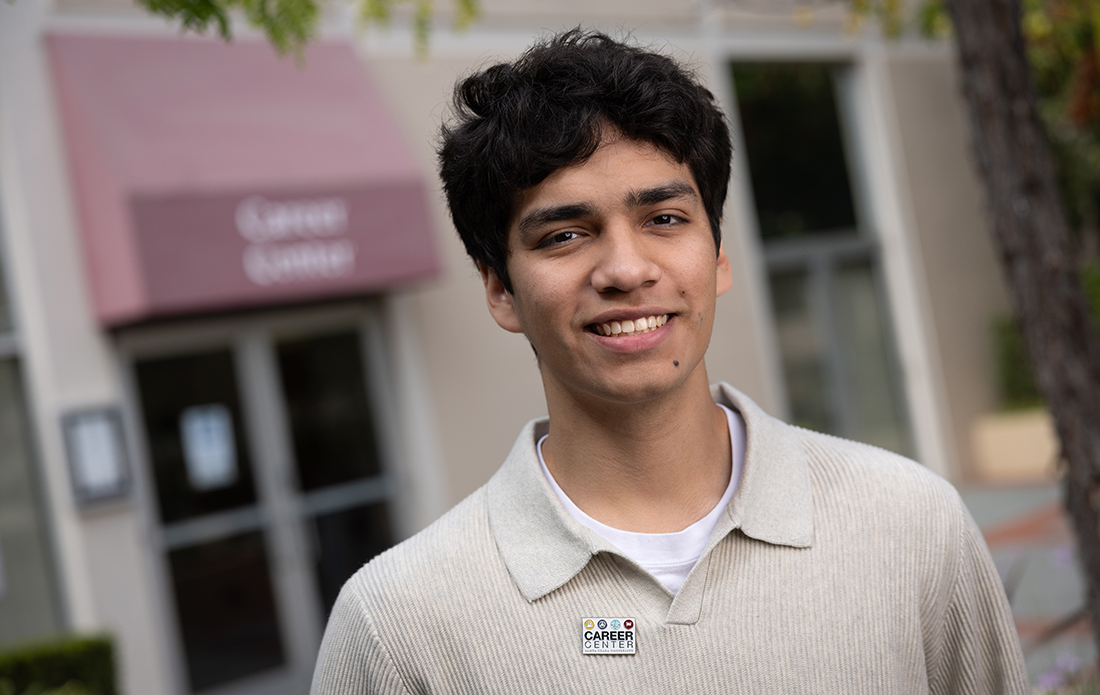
(609, 636)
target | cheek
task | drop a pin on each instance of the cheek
(697, 279)
(541, 306)
(699, 290)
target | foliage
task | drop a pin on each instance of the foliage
(290, 24)
(889, 13)
(932, 19)
(70, 688)
(381, 12)
(1015, 382)
(1063, 39)
(66, 666)
(1063, 49)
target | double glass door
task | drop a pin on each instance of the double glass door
(265, 473)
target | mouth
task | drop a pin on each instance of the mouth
(626, 327)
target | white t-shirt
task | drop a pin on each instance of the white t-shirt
(667, 556)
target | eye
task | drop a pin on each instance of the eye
(558, 238)
(666, 220)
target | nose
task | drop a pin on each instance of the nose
(624, 263)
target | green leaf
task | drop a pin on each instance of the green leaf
(422, 24)
(933, 21)
(290, 25)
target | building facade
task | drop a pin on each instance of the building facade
(242, 350)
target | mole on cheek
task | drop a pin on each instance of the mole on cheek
(675, 363)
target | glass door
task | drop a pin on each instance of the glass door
(269, 487)
(213, 524)
(343, 488)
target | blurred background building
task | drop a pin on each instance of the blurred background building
(242, 350)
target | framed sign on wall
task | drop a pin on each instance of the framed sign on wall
(98, 465)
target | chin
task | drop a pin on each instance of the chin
(638, 390)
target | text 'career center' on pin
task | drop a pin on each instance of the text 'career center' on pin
(608, 636)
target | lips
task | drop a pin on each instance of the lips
(631, 326)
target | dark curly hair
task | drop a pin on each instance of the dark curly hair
(517, 123)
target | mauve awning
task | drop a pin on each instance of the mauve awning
(213, 176)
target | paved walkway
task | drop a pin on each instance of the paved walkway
(1033, 547)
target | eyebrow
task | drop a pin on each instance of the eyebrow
(556, 213)
(571, 211)
(659, 194)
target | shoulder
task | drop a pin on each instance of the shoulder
(868, 477)
(872, 504)
(849, 482)
(455, 548)
(438, 584)
(376, 629)
(879, 510)
(453, 568)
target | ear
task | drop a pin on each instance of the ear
(500, 301)
(724, 279)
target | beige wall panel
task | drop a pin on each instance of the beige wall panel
(99, 8)
(609, 14)
(540, 16)
(782, 16)
(125, 600)
(965, 286)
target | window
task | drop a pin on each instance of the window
(29, 604)
(824, 273)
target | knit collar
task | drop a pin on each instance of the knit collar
(544, 547)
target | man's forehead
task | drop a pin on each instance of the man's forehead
(673, 179)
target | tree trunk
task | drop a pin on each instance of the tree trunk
(1037, 253)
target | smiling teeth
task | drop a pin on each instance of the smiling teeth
(632, 327)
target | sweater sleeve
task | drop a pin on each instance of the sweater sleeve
(980, 650)
(352, 660)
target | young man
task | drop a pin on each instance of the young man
(656, 534)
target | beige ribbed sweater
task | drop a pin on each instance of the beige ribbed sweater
(836, 568)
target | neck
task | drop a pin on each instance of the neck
(654, 467)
